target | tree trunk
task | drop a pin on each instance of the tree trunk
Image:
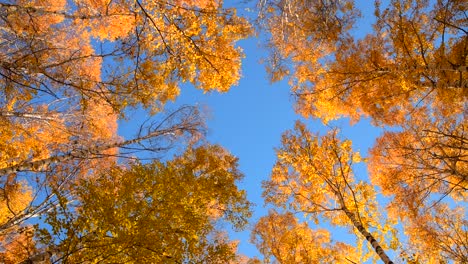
(378, 249)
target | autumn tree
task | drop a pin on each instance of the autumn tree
(55, 93)
(314, 175)
(53, 177)
(16, 243)
(147, 48)
(160, 212)
(409, 72)
(282, 236)
(70, 69)
(424, 167)
(418, 48)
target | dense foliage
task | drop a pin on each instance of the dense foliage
(72, 190)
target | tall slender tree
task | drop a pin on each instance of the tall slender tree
(409, 71)
(313, 175)
(70, 69)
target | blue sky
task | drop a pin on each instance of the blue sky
(250, 118)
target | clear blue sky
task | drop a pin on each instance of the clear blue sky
(250, 118)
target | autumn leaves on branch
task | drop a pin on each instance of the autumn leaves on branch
(70, 70)
(408, 75)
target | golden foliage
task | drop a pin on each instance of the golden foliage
(281, 236)
(314, 175)
(70, 69)
(16, 243)
(17, 246)
(157, 46)
(408, 71)
(424, 168)
(155, 213)
(415, 57)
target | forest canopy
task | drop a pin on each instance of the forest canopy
(75, 189)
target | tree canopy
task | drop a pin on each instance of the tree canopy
(75, 189)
